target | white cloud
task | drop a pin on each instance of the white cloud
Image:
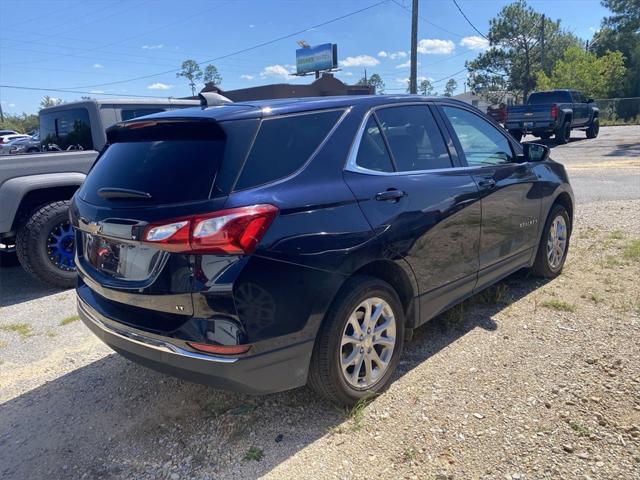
(251, 25)
(98, 65)
(392, 55)
(275, 71)
(436, 46)
(153, 47)
(96, 91)
(244, 76)
(159, 86)
(406, 64)
(475, 43)
(405, 81)
(383, 54)
(348, 74)
(359, 61)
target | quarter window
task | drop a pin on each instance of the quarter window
(372, 152)
(68, 129)
(481, 142)
(414, 138)
(283, 145)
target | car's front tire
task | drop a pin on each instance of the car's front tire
(45, 245)
(554, 244)
(359, 343)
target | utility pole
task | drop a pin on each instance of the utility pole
(413, 76)
(542, 43)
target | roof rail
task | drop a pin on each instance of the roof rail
(209, 99)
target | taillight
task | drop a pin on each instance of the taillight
(233, 231)
(554, 111)
(220, 349)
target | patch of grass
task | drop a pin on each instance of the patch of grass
(493, 296)
(51, 334)
(356, 413)
(254, 453)
(409, 455)
(455, 315)
(580, 429)
(216, 406)
(616, 235)
(595, 298)
(559, 305)
(632, 251)
(22, 329)
(68, 320)
(611, 261)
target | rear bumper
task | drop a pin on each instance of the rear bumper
(268, 372)
(531, 126)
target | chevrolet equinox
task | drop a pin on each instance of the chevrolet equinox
(261, 246)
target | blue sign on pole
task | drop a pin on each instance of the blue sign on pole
(320, 57)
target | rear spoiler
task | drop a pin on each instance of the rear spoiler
(210, 99)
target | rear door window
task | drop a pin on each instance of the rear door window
(283, 145)
(67, 129)
(414, 138)
(372, 151)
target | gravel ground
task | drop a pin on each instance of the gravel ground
(529, 380)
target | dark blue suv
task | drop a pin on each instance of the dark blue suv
(260, 246)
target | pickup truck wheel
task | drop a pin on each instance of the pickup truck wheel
(554, 244)
(594, 128)
(45, 245)
(359, 343)
(517, 134)
(563, 133)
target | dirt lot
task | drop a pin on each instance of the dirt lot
(527, 380)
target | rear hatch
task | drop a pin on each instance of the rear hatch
(529, 113)
(134, 212)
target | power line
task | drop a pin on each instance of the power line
(469, 21)
(243, 50)
(17, 87)
(427, 21)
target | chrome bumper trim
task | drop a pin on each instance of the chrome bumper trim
(149, 342)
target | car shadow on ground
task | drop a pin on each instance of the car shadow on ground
(551, 142)
(113, 418)
(625, 150)
(17, 286)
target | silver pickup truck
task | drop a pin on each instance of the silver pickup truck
(35, 188)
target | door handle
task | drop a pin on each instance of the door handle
(487, 183)
(390, 195)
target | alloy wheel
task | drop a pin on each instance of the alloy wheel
(368, 342)
(557, 242)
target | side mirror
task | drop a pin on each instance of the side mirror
(535, 152)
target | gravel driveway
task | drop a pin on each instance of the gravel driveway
(528, 380)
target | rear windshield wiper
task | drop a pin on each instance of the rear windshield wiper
(114, 193)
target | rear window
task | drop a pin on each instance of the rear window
(283, 145)
(173, 161)
(130, 113)
(549, 97)
(68, 129)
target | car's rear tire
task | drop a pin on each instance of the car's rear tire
(45, 245)
(563, 133)
(554, 244)
(356, 352)
(517, 134)
(594, 128)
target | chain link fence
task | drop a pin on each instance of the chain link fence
(619, 111)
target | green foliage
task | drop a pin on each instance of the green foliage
(516, 54)
(211, 75)
(23, 123)
(375, 81)
(596, 77)
(450, 87)
(425, 87)
(560, 305)
(48, 101)
(192, 72)
(254, 453)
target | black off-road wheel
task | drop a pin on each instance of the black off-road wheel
(554, 244)
(360, 342)
(563, 133)
(45, 245)
(594, 128)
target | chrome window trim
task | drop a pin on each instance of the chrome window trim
(352, 166)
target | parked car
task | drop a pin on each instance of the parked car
(4, 139)
(7, 132)
(555, 112)
(35, 189)
(29, 144)
(257, 247)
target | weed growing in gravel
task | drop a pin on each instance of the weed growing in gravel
(68, 320)
(409, 455)
(455, 315)
(560, 305)
(356, 413)
(595, 298)
(22, 329)
(216, 406)
(51, 334)
(254, 453)
(580, 429)
(616, 235)
(632, 250)
(493, 296)
(611, 261)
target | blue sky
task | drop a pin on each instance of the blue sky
(98, 46)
